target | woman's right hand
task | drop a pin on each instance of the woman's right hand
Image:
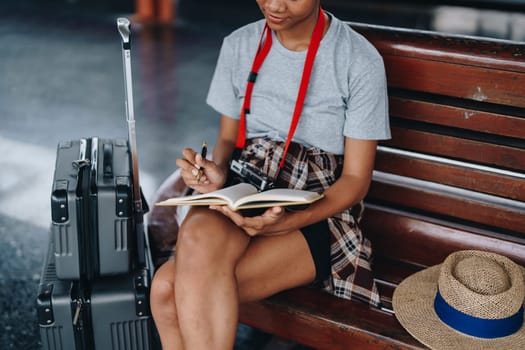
(202, 175)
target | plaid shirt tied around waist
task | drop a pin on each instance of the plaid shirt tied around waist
(315, 170)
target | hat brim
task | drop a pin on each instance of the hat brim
(413, 304)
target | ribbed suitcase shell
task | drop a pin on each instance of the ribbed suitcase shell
(120, 314)
(105, 222)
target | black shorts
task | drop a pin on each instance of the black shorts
(318, 238)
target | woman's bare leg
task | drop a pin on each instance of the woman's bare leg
(163, 308)
(208, 248)
(219, 272)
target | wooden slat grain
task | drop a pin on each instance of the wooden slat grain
(456, 80)
(327, 324)
(454, 207)
(480, 52)
(498, 184)
(417, 242)
(457, 117)
(475, 151)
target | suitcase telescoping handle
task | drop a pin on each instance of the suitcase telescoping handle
(123, 26)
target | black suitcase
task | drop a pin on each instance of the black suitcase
(94, 287)
(91, 208)
(106, 314)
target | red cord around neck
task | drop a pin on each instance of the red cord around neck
(262, 52)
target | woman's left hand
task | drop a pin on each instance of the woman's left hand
(265, 224)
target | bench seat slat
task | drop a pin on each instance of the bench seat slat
(392, 271)
(388, 274)
(323, 322)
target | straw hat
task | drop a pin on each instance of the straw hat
(480, 303)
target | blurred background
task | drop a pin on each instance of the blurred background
(61, 78)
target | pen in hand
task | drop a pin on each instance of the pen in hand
(204, 150)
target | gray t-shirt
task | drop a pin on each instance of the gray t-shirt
(346, 96)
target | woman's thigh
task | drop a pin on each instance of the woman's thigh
(264, 265)
(272, 264)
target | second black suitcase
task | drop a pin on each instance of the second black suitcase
(106, 314)
(120, 316)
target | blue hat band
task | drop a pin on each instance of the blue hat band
(475, 326)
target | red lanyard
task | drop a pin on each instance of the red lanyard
(260, 56)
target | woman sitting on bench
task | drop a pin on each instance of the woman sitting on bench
(307, 64)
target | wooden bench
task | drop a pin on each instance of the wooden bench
(451, 178)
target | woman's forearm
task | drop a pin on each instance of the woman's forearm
(222, 153)
(346, 192)
(225, 144)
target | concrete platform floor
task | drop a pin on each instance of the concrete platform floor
(61, 78)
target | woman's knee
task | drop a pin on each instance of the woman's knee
(194, 230)
(163, 284)
(204, 237)
(162, 296)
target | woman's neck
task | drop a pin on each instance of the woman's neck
(298, 38)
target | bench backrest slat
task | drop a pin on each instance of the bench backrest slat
(421, 243)
(456, 147)
(481, 52)
(414, 243)
(456, 80)
(457, 208)
(451, 172)
(457, 117)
